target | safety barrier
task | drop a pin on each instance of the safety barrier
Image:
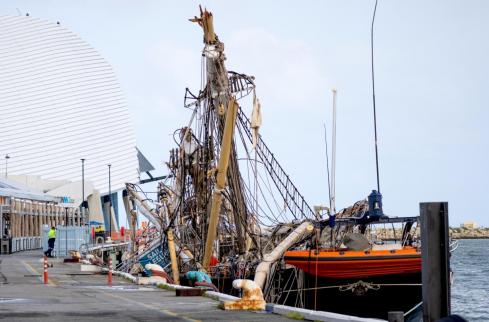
(25, 243)
(67, 238)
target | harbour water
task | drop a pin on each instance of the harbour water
(470, 290)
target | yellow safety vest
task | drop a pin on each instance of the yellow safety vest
(52, 233)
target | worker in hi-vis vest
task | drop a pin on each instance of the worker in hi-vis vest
(51, 240)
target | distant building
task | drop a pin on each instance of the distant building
(24, 212)
(60, 102)
(469, 225)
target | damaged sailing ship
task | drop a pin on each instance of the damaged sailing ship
(229, 209)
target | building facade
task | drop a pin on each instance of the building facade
(60, 102)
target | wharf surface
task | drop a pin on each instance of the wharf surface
(72, 295)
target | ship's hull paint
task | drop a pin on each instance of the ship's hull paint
(398, 292)
(355, 264)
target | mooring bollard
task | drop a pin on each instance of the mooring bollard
(110, 271)
(435, 256)
(395, 316)
(46, 270)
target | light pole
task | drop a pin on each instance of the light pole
(83, 191)
(110, 205)
(66, 230)
(6, 164)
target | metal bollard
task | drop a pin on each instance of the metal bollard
(46, 270)
(110, 272)
(395, 316)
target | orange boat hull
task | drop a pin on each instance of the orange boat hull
(355, 264)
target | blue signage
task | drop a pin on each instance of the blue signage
(66, 200)
(154, 256)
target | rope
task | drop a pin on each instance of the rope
(345, 286)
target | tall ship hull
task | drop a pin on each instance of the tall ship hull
(365, 283)
(366, 297)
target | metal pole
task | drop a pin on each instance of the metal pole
(83, 190)
(2, 229)
(373, 98)
(6, 164)
(66, 231)
(110, 205)
(435, 260)
(333, 161)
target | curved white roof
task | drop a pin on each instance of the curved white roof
(59, 102)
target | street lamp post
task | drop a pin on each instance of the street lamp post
(110, 205)
(66, 230)
(83, 191)
(6, 164)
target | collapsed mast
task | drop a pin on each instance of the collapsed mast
(222, 102)
(211, 204)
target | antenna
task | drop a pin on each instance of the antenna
(333, 157)
(327, 166)
(373, 96)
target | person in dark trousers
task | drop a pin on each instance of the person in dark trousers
(51, 240)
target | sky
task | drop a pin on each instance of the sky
(431, 79)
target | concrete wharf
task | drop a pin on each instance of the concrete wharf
(72, 295)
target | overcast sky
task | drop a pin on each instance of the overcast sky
(432, 86)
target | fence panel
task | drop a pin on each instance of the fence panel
(67, 238)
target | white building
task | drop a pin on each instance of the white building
(60, 102)
(470, 225)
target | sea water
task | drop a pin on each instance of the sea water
(470, 289)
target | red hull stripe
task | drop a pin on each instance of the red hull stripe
(357, 267)
(349, 258)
